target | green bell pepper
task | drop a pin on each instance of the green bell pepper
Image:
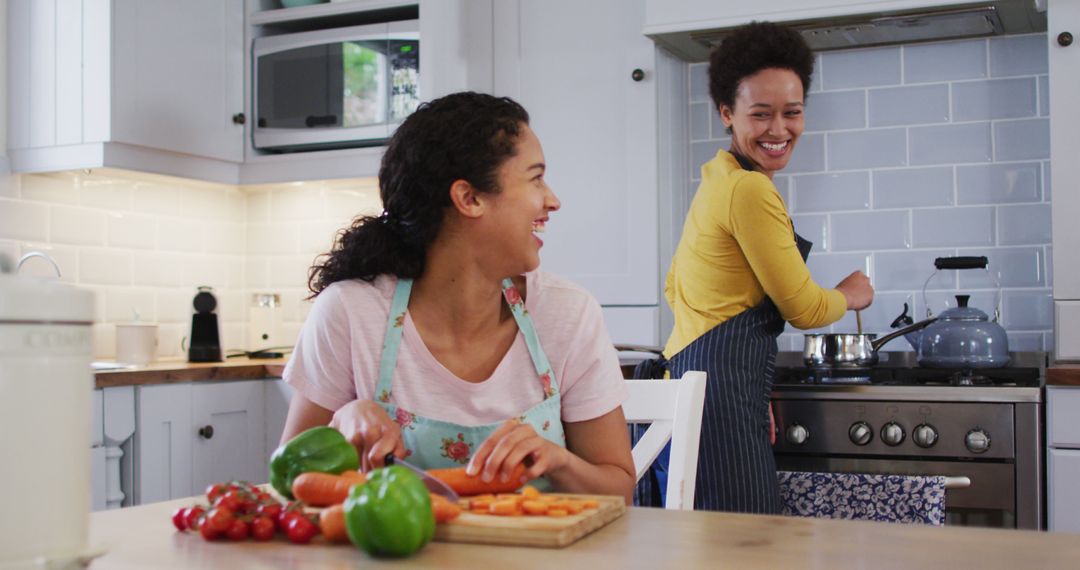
(390, 515)
(321, 448)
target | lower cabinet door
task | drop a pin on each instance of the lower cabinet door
(163, 438)
(228, 430)
(98, 486)
(1064, 494)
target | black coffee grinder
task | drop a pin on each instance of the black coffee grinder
(205, 343)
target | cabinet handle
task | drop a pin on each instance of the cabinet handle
(637, 74)
(238, 119)
(206, 432)
(1065, 39)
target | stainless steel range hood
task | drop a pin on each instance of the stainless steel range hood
(886, 28)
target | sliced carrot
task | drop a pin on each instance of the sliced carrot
(503, 508)
(557, 513)
(590, 504)
(574, 507)
(530, 492)
(483, 504)
(534, 507)
(443, 509)
(332, 524)
(466, 485)
(322, 489)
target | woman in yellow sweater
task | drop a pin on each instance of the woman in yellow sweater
(739, 272)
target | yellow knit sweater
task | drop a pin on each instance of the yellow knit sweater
(737, 247)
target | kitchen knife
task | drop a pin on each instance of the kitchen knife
(433, 484)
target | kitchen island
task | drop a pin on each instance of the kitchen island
(143, 537)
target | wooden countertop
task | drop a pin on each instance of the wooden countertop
(1063, 375)
(143, 537)
(172, 371)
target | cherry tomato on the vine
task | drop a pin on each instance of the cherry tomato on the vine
(193, 518)
(300, 529)
(179, 518)
(238, 531)
(263, 528)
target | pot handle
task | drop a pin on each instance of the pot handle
(877, 344)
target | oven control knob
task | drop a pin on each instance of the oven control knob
(860, 433)
(924, 435)
(892, 434)
(797, 434)
(977, 441)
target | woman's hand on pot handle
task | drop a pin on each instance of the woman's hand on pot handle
(857, 291)
(373, 433)
(513, 443)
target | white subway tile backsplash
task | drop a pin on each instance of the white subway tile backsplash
(174, 305)
(179, 234)
(813, 227)
(783, 187)
(105, 193)
(231, 306)
(169, 340)
(828, 269)
(206, 270)
(1048, 260)
(298, 203)
(909, 270)
(257, 206)
(893, 106)
(860, 68)
(138, 231)
(256, 272)
(224, 237)
(950, 144)
(829, 192)
(9, 186)
(155, 197)
(808, 155)
(56, 188)
(699, 82)
(235, 273)
(995, 99)
(850, 150)
(836, 110)
(162, 269)
(1018, 55)
(1023, 139)
(870, 231)
(998, 183)
(105, 267)
(952, 227)
(702, 152)
(913, 187)
(290, 270)
(123, 304)
(1046, 180)
(77, 226)
(699, 121)
(317, 237)
(24, 220)
(878, 316)
(717, 129)
(1013, 267)
(1027, 224)
(268, 239)
(1028, 310)
(945, 61)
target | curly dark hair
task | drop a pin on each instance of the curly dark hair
(462, 136)
(753, 47)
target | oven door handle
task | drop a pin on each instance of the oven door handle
(960, 482)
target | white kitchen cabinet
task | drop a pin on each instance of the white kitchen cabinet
(662, 16)
(1063, 458)
(571, 65)
(149, 85)
(193, 434)
(278, 396)
(1064, 16)
(98, 484)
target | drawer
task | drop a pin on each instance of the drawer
(1063, 496)
(1063, 416)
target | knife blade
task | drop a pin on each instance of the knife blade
(434, 484)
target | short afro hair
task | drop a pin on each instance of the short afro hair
(751, 48)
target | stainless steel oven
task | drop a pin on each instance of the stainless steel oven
(898, 418)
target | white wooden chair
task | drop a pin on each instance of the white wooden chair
(673, 407)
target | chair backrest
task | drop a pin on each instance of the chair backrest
(673, 407)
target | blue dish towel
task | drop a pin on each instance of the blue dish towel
(890, 498)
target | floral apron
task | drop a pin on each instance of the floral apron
(433, 444)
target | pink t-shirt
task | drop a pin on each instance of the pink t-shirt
(336, 359)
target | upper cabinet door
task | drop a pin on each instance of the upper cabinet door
(178, 76)
(572, 65)
(1064, 60)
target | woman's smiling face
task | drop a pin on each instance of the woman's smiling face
(767, 119)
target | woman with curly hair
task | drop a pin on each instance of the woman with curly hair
(739, 272)
(433, 335)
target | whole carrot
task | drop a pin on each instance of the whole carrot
(465, 485)
(332, 524)
(322, 489)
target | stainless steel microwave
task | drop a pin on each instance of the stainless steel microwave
(335, 88)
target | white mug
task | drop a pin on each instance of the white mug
(136, 343)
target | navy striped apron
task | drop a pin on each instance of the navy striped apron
(736, 469)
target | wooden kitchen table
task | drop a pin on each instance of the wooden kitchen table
(143, 537)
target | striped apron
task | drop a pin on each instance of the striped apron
(736, 469)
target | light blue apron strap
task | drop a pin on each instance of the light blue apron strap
(532, 340)
(392, 342)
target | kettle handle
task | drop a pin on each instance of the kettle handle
(964, 262)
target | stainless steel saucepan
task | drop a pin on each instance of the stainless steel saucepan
(840, 350)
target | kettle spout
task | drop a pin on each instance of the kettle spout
(905, 320)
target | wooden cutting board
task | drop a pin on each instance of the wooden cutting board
(540, 531)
